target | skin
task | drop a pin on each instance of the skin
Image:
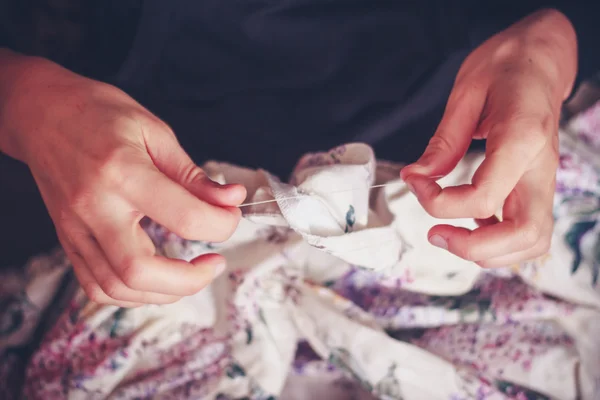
(509, 91)
(97, 186)
(128, 165)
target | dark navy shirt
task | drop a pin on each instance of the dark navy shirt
(260, 82)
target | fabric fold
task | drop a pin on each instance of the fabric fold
(345, 289)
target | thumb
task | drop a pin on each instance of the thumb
(453, 136)
(172, 160)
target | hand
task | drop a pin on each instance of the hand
(508, 91)
(102, 162)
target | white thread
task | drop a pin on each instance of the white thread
(296, 197)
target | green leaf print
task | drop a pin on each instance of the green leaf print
(342, 359)
(350, 219)
(249, 334)
(255, 393)
(389, 388)
(221, 396)
(596, 261)
(118, 316)
(515, 391)
(329, 284)
(261, 316)
(573, 240)
(471, 306)
(234, 370)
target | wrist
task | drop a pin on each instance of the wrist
(20, 80)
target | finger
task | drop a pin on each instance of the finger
(170, 276)
(204, 188)
(170, 158)
(528, 223)
(487, 243)
(173, 207)
(518, 257)
(93, 290)
(131, 255)
(454, 134)
(512, 150)
(88, 282)
(108, 280)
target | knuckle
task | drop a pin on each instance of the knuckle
(64, 219)
(187, 227)
(531, 234)
(543, 246)
(170, 300)
(153, 123)
(94, 292)
(490, 264)
(554, 153)
(130, 272)
(464, 87)
(486, 204)
(433, 203)
(191, 173)
(74, 239)
(110, 170)
(433, 207)
(546, 247)
(80, 200)
(166, 129)
(535, 137)
(111, 287)
(126, 304)
(107, 172)
(466, 252)
(127, 122)
(532, 130)
(439, 144)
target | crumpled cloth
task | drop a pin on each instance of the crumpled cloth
(333, 292)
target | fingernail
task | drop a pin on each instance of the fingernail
(438, 241)
(218, 185)
(213, 183)
(219, 269)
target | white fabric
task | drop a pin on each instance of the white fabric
(298, 270)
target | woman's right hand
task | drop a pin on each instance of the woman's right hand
(102, 162)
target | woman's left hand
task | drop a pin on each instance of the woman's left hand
(509, 91)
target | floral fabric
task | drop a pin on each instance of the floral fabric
(332, 291)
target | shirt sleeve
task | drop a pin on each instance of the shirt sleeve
(489, 18)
